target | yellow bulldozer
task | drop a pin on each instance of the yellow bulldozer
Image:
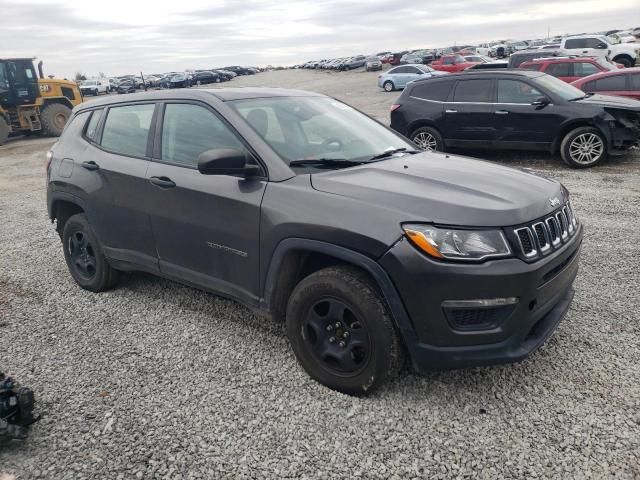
(31, 103)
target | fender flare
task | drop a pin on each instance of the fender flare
(65, 197)
(373, 268)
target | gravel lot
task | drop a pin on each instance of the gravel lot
(158, 380)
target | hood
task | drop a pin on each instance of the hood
(446, 189)
(612, 102)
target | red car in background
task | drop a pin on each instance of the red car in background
(451, 63)
(620, 83)
(569, 69)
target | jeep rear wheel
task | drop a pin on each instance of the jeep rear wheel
(54, 117)
(341, 332)
(82, 252)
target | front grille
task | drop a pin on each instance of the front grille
(546, 234)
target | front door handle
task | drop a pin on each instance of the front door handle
(502, 112)
(91, 165)
(451, 111)
(162, 182)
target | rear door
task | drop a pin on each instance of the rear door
(519, 123)
(620, 85)
(469, 114)
(117, 160)
(206, 227)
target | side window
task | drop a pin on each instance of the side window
(635, 81)
(76, 124)
(126, 129)
(92, 128)
(558, 69)
(589, 87)
(515, 91)
(448, 61)
(413, 70)
(188, 130)
(473, 91)
(613, 83)
(592, 42)
(582, 69)
(436, 91)
(575, 43)
(401, 70)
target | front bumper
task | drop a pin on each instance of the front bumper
(543, 289)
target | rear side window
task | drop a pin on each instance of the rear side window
(575, 43)
(558, 69)
(473, 91)
(613, 83)
(435, 91)
(582, 69)
(126, 129)
(92, 128)
(448, 61)
(188, 130)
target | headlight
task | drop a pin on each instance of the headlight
(453, 244)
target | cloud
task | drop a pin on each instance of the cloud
(124, 36)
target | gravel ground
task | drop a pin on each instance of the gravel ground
(158, 380)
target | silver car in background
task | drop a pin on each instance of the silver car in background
(397, 78)
(372, 64)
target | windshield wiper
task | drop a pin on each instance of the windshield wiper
(325, 161)
(388, 153)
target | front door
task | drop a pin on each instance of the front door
(520, 124)
(469, 114)
(206, 227)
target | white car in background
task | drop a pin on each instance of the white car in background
(95, 87)
(600, 46)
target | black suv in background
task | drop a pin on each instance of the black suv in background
(310, 212)
(516, 110)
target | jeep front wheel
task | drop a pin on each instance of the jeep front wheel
(53, 118)
(341, 332)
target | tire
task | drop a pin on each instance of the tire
(388, 86)
(428, 139)
(341, 332)
(583, 147)
(83, 254)
(624, 60)
(4, 131)
(53, 118)
(95, 93)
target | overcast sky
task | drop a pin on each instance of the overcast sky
(126, 36)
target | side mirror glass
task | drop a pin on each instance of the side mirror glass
(227, 161)
(541, 102)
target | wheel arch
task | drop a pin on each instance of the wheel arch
(296, 258)
(53, 100)
(63, 206)
(565, 129)
(423, 122)
(626, 56)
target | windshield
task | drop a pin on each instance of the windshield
(560, 88)
(89, 82)
(308, 128)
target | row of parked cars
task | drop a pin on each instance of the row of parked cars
(131, 83)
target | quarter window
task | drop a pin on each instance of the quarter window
(515, 91)
(126, 129)
(189, 130)
(436, 91)
(92, 127)
(473, 91)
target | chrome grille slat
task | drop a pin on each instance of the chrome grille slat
(547, 234)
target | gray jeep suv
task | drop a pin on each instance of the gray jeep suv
(310, 212)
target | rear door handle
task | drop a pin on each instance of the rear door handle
(91, 165)
(451, 111)
(162, 182)
(502, 112)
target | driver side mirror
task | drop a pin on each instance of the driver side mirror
(541, 102)
(601, 46)
(227, 161)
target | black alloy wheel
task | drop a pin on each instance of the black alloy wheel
(336, 337)
(81, 254)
